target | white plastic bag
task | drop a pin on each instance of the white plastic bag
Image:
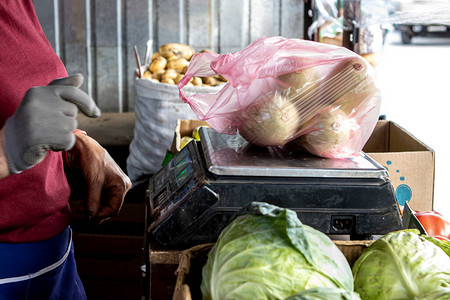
(158, 107)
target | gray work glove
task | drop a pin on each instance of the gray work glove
(45, 120)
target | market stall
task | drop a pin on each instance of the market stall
(234, 156)
(289, 124)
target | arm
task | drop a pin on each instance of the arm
(106, 183)
(4, 169)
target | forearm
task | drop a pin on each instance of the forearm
(4, 169)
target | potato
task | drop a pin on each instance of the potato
(220, 78)
(167, 80)
(147, 74)
(176, 49)
(171, 63)
(197, 81)
(155, 55)
(210, 81)
(158, 74)
(207, 50)
(177, 64)
(169, 74)
(159, 63)
(178, 78)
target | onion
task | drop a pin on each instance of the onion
(327, 134)
(299, 79)
(271, 121)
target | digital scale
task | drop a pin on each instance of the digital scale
(193, 197)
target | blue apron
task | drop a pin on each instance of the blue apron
(40, 271)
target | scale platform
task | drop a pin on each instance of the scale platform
(194, 196)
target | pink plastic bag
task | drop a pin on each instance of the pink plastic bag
(318, 97)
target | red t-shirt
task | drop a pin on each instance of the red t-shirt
(33, 204)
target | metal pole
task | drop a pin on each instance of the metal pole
(352, 17)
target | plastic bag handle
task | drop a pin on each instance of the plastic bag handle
(184, 80)
(199, 65)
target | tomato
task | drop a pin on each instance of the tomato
(434, 223)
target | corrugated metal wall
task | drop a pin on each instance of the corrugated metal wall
(96, 37)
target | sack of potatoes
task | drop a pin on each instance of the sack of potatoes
(171, 62)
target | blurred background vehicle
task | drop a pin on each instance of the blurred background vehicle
(421, 18)
(408, 31)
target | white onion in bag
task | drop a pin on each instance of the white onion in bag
(300, 79)
(271, 121)
(327, 133)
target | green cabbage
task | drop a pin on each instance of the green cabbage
(402, 265)
(267, 253)
(325, 293)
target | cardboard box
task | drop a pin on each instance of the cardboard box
(184, 128)
(409, 161)
(189, 276)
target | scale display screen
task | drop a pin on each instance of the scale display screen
(183, 168)
(174, 182)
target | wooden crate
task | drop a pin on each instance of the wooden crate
(189, 276)
(161, 266)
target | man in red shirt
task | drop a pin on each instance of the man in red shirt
(38, 109)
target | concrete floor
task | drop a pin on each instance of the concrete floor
(415, 85)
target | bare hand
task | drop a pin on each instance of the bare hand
(106, 183)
